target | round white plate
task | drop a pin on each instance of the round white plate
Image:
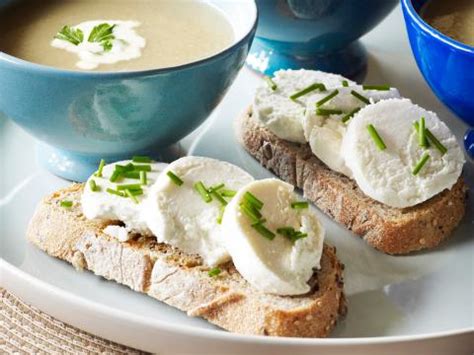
(420, 303)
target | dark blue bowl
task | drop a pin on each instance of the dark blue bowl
(446, 65)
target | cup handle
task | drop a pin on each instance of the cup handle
(469, 142)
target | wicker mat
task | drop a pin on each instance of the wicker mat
(26, 330)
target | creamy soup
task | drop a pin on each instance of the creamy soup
(113, 35)
(454, 18)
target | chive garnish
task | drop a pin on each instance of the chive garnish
(327, 98)
(218, 197)
(376, 87)
(115, 192)
(124, 168)
(360, 97)
(141, 167)
(216, 187)
(432, 139)
(101, 167)
(264, 231)
(143, 178)
(228, 193)
(175, 178)
(345, 83)
(422, 133)
(271, 84)
(349, 115)
(129, 187)
(115, 175)
(250, 212)
(132, 196)
(420, 164)
(93, 185)
(136, 192)
(376, 137)
(131, 174)
(252, 200)
(307, 90)
(141, 159)
(291, 233)
(66, 203)
(221, 214)
(201, 189)
(214, 272)
(327, 112)
(298, 205)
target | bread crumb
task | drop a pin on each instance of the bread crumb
(78, 261)
(422, 241)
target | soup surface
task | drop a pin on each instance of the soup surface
(454, 18)
(175, 31)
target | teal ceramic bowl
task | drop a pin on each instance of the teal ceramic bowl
(81, 117)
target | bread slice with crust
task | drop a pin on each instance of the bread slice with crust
(390, 230)
(181, 280)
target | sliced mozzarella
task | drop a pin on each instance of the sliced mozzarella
(276, 111)
(103, 205)
(178, 215)
(277, 266)
(387, 175)
(324, 133)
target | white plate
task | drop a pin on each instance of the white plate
(422, 302)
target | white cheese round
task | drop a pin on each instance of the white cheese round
(103, 205)
(387, 176)
(277, 112)
(324, 133)
(277, 266)
(179, 216)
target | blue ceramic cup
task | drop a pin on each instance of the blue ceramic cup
(81, 117)
(315, 34)
(446, 65)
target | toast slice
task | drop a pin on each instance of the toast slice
(181, 280)
(390, 230)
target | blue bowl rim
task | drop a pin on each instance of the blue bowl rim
(408, 6)
(45, 69)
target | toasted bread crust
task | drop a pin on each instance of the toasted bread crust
(390, 230)
(181, 280)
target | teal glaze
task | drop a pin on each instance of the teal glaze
(315, 34)
(87, 116)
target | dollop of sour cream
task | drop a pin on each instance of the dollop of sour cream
(126, 44)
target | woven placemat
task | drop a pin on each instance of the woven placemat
(26, 330)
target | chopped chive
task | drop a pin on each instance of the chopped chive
(175, 178)
(201, 189)
(141, 167)
(143, 178)
(93, 186)
(376, 87)
(298, 205)
(101, 167)
(216, 187)
(251, 199)
(115, 192)
(327, 112)
(345, 83)
(285, 231)
(141, 159)
(420, 164)
(327, 98)
(264, 231)
(307, 90)
(228, 193)
(442, 149)
(376, 137)
(417, 129)
(298, 235)
(66, 203)
(271, 84)
(129, 187)
(221, 214)
(261, 221)
(349, 115)
(360, 97)
(136, 192)
(115, 175)
(218, 197)
(250, 212)
(131, 174)
(291, 233)
(214, 272)
(422, 133)
(132, 196)
(124, 168)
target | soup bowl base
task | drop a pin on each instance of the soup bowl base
(267, 56)
(79, 167)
